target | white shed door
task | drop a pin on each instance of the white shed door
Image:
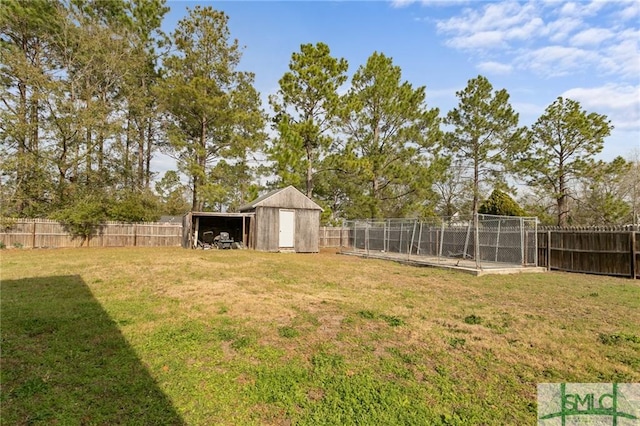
(287, 227)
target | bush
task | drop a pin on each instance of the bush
(501, 204)
(84, 218)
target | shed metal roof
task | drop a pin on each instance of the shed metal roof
(289, 197)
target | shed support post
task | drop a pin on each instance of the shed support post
(196, 232)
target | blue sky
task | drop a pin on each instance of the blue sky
(537, 50)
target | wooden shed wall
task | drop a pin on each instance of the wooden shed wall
(267, 231)
(307, 231)
(267, 228)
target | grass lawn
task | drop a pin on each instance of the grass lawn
(171, 336)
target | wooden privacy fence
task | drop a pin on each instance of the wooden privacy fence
(41, 233)
(609, 251)
(333, 236)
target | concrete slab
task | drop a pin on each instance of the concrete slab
(463, 265)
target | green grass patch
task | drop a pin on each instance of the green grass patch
(391, 320)
(472, 319)
(288, 332)
(618, 338)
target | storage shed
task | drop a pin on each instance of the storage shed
(284, 220)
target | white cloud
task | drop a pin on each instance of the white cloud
(582, 8)
(612, 96)
(556, 60)
(623, 56)
(560, 29)
(491, 27)
(480, 40)
(591, 36)
(631, 11)
(569, 9)
(527, 30)
(494, 16)
(491, 67)
(404, 3)
(620, 102)
(551, 39)
(401, 3)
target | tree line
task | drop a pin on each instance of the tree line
(92, 90)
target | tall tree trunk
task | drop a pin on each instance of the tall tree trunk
(476, 201)
(476, 178)
(128, 173)
(201, 158)
(22, 166)
(563, 207)
(563, 204)
(100, 140)
(309, 171)
(88, 155)
(141, 143)
(147, 170)
(88, 143)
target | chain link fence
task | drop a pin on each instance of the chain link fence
(484, 241)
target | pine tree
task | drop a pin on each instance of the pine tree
(390, 135)
(485, 133)
(563, 143)
(305, 108)
(213, 109)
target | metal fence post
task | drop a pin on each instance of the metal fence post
(466, 242)
(355, 236)
(522, 258)
(498, 239)
(476, 246)
(384, 236)
(413, 234)
(441, 241)
(366, 237)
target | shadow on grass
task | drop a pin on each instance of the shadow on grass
(64, 360)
